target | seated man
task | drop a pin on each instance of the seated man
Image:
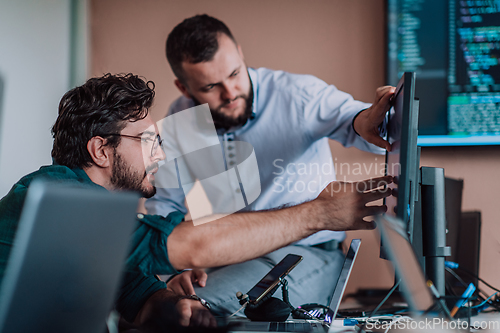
(105, 137)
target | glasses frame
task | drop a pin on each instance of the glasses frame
(157, 141)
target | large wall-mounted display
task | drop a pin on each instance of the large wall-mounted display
(454, 48)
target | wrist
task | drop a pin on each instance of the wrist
(316, 214)
(354, 120)
(176, 274)
(196, 298)
(172, 276)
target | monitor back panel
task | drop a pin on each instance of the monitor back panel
(67, 259)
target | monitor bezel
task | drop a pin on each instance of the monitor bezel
(408, 155)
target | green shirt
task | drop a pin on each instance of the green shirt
(149, 242)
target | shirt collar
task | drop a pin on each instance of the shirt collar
(253, 77)
(80, 173)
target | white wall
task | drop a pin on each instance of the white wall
(34, 69)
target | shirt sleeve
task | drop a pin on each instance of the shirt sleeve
(329, 112)
(149, 244)
(134, 291)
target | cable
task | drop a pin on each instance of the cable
(486, 298)
(477, 277)
(456, 276)
(284, 291)
(384, 300)
(242, 307)
(484, 302)
(449, 268)
(481, 295)
(495, 304)
(449, 289)
(380, 304)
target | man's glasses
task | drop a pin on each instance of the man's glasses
(157, 141)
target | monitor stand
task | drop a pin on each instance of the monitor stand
(434, 249)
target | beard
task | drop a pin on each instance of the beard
(226, 122)
(124, 178)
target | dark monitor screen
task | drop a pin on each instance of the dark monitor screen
(339, 290)
(454, 47)
(402, 161)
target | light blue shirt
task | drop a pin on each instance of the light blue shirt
(294, 115)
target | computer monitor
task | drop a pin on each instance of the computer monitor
(418, 193)
(67, 259)
(452, 45)
(402, 162)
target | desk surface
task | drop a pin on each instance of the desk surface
(484, 322)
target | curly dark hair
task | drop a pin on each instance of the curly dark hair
(194, 40)
(101, 106)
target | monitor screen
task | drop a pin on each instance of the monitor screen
(342, 280)
(454, 47)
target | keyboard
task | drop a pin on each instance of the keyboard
(253, 326)
(290, 327)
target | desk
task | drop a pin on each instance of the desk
(485, 322)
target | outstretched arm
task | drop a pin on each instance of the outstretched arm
(244, 236)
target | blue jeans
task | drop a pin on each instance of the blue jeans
(312, 281)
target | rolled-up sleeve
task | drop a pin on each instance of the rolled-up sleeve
(148, 252)
(148, 256)
(135, 290)
(329, 112)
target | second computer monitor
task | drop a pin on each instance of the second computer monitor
(402, 162)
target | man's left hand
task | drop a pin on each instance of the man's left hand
(183, 284)
(368, 121)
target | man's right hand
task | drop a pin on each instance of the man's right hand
(343, 205)
(157, 312)
(192, 313)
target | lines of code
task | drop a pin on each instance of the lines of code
(474, 77)
(410, 56)
(478, 40)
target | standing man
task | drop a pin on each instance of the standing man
(288, 119)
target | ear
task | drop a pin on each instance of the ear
(99, 152)
(182, 88)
